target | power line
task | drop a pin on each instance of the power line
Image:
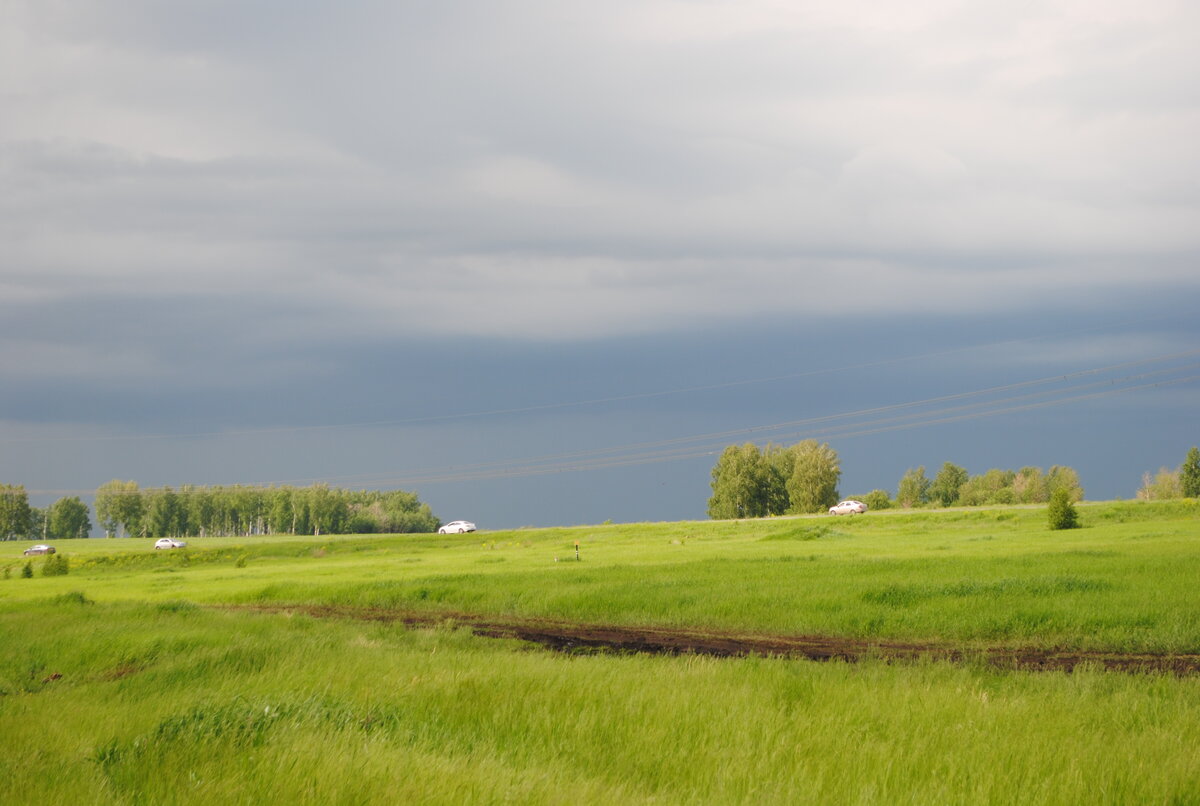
(799, 426)
(590, 402)
(844, 425)
(599, 463)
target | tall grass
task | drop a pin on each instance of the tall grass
(173, 704)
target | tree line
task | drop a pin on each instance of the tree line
(753, 482)
(954, 486)
(66, 518)
(125, 509)
(1182, 482)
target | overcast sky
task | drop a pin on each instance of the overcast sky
(424, 244)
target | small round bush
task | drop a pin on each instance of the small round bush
(1061, 511)
(877, 499)
(56, 565)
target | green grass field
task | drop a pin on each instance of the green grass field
(126, 681)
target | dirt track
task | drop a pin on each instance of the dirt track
(574, 637)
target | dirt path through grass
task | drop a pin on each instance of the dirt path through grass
(574, 637)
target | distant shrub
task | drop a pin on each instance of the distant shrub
(27, 571)
(56, 565)
(73, 598)
(241, 561)
(175, 606)
(8, 572)
(877, 499)
(1061, 511)
(802, 532)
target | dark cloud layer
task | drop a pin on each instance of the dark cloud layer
(228, 216)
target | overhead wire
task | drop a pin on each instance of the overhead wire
(844, 425)
(480, 414)
(500, 470)
(986, 402)
(799, 427)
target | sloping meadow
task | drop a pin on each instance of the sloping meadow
(141, 677)
(1124, 582)
(170, 703)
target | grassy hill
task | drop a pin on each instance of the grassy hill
(133, 679)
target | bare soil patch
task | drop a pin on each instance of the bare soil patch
(565, 636)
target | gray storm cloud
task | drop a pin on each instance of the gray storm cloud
(577, 171)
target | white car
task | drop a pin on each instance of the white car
(848, 507)
(169, 543)
(456, 528)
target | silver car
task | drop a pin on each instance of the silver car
(848, 507)
(169, 543)
(456, 528)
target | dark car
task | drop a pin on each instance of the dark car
(40, 548)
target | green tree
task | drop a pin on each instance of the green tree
(913, 490)
(39, 524)
(120, 508)
(68, 518)
(782, 462)
(165, 514)
(249, 503)
(14, 511)
(946, 484)
(328, 509)
(1030, 486)
(1061, 477)
(279, 511)
(387, 512)
(741, 483)
(301, 512)
(403, 513)
(1189, 474)
(1164, 485)
(198, 509)
(877, 499)
(1061, 512)
(224, 511)
(992, 487)
(813, 485)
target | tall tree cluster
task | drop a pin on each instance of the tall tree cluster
(125, 509)
(68, 518)
(1183, 482)
(64, 519)
(749, 482)
(953, 486)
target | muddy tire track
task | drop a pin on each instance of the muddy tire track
(566, 636)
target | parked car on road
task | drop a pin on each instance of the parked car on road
(40, 548)
(456, 528)
(169, 543)
(848, 507)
